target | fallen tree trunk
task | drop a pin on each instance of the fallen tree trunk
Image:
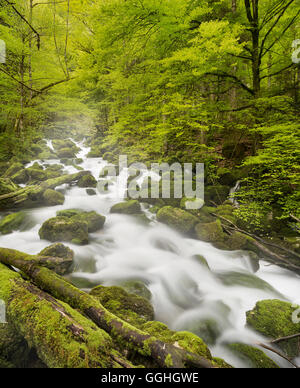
(32, 195)
(57, 264)
(62, 337)
(124, 334)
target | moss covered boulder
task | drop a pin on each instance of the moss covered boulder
(256, 358)
(58, 250)
(127, 207)
(53, 198)
(131, 308)
(137, 287)
(7, 186)
(65, 229)
(87, 181)
(12, 222)
(66, 153)
(212, 232)
(276, 319)
(21, 177)
(93, 220)
(178, 219)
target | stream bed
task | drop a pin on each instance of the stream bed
(184, 292)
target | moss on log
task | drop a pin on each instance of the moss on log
(62, 337)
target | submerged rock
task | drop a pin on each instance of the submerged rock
(65, 229)
(126, 306)
(212, 232)
(93, 220)
(137, 287)
(274, 319)
(53, 198)
(12, 222)
(255, 357)
(87, 181)
(179, 219)
(128, 207)
(91, 192)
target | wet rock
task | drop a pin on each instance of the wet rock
(126, 306)
(58, 250)
(207, 329)
(20, 177)
(87, 181)
(91, 192)
(127, 207)
(137, 287)
(211, 232)
(65, 229)
(40, 175)
(93, 220)
(274, 319)
(66, 153)
(256, 358)
(179, 219)
(7, 186)
(201, 260)
(12, 222)
(53, 198)
(59, 145)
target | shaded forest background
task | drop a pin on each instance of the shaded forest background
(173, 80)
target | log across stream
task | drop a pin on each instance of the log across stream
(185, 294)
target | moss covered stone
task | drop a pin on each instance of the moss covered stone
(94, 220)
(66, 153)
(212, 232)
(21, 177)
(274, 319)
(12, 222)
(53, 198)
(129, 307)
(58, 250)
(137, 287)
(256, 357)
(176, 218)
(87, 181)
(127, 207)
(65, 229)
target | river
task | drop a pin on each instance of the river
(184, 292)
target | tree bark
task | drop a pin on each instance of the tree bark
(62, 337)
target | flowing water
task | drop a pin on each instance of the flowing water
(184, 292)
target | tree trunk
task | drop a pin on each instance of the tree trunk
(62, 337)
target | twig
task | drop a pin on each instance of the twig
(279, 354)
(282, 339)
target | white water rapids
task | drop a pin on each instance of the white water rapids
(183, 291)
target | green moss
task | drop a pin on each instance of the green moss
(94, 220)
(192, 343)
(212, 232)
(66, 152)
(274, 319)
(21, 177)
(127, 207)
(178, 219)
(257, 357)
(220, 363)
(87, 181)
(169, 361)
(137, 287)
(12, 222)
(65, 229)
(7, 186)
(53, 198)
(58, 250)
(158, 330)
(13, 169)
(131, 308)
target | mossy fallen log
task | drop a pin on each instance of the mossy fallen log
(33, 195)
(62, 337)
(57, 264)
(125, 335)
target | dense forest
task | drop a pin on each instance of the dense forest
(189, 81)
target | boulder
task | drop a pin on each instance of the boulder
(12, 222)
(179, 219)
(256, 358)
(87, 181)
(53, 198)
(58, 250)
(212, 232)
(276, 319)
(126, 306)
(66, 153)
(39, 175)
(65, 229)
(127, 207)
(93, 220)
(91, 192)
(137, 287)
(21, 177)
